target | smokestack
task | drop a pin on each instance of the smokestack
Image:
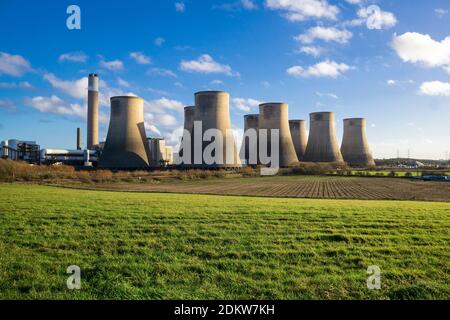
(78, 138)
(275, 116)
(92, 118)
(189, 113)
(251, 121)
(213, 110)
(299, 137)
(126, 143)
(322, 142)
(355, 146)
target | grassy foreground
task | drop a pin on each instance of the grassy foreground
(170, 246)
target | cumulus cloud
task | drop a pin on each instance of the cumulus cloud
(327, 68)
(435, 88)
(376, 18)
(13, 65)
(77, 56)
(140, 58)
(113, 65)
(301, 10)
(56, 105)
(162, 72)
(311, 50)
(325, 34)
(180, 7)
(163, 105)
(74, 88)
(13, 85)
(419, 48)
(206, 64)
(245, 105)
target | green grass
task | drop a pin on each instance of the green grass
(172, 246)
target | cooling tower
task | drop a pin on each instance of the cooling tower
(322, 142)
(275, 116)
(355, 146)
(251, 121)
(92, 116)
(212, 109)
(299, 137)
(189, 113)
(78, 138)
(126, 143)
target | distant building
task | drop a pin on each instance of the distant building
(20, 150)
(161, 155)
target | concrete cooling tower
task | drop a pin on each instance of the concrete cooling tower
(275, 116)
(92, 116)
(126, 143)
(322, 142)
(251, 121)
(212, 109)
(189, 113)
(299, 137)
(355, 146)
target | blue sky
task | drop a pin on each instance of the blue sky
(388, 61)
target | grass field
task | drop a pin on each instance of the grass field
(317, 187)
(170, 246)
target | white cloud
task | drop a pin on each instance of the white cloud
(165, 120)
(354, 1)
(206, 64)
(163, 105)
(418, 48)
(14, 85)
(376, 18)
(245, 105)
(7, 104)
(301, 10)
(114, 65)
(325, 68)
(56, 105)
(159, 41)
(74, 88)
(435, 88)
(311, 50)
(162, 72)
(440, 12)
(13, 65)
(140, 58)
(391, 82)
(77, 56)
(180, 7)
(123, 83)
(325, 34)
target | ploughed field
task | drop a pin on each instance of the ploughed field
(184, 246)
(299, 187)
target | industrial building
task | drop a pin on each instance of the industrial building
(19, 150)
(299, 137)
(275, 116)
(355, 146)
(160, 154)
(126, 144)
(322, 141)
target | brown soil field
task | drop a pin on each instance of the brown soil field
(295, 187)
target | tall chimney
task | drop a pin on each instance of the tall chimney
(78, 138)
(92, 117)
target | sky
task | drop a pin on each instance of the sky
(385, 60)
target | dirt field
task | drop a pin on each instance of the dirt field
(299, 187)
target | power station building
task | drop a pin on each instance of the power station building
(299, 137)
(322, 142)
(355, 147)
(126, 144)
(275, 116)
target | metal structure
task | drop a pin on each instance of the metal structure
(189, 114)
(92, 116)
(126, 144)
(69, 157)
(78, 138)
(251, 122)
(275, 116)
(213, 111)
(355, 147)
(322, 142)
(299, 137)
